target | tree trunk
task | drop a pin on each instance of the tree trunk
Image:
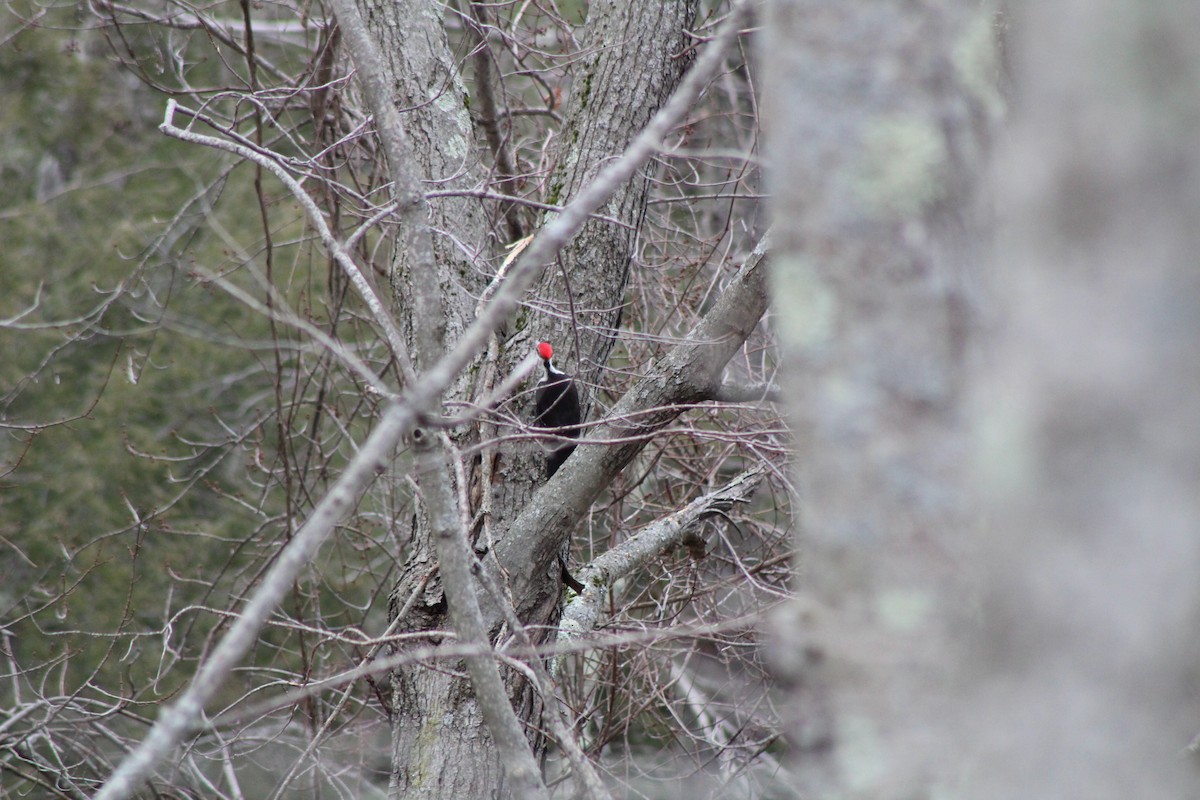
(1082, 682)
(634, 55)
(418, 63)
(441, 747)
(874, 140)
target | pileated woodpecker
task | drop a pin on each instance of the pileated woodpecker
(557, 407)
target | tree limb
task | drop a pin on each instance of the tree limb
(474, 15)
(589, 781)
(730, 392)
(688, 373)
(455, 560)
(586, 611)
(177, 720)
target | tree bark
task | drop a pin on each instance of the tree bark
(613, 97)
(1082, 678)
(426, 85)
(875, 138)
(440, 745)
(689, 373)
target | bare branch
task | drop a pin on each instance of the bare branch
(686, 374)
(586, 611)
(588, 779)
(487, 111)
(316, 218)
(280, 311)
(454, 560)
(449, 651)
(729, 392)
(558, 231)
(177, 720)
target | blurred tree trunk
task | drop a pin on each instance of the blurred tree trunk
(1080, 681)
(1083, 682)
(876, 123)
(631, 62)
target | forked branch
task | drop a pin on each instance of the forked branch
(586, 611)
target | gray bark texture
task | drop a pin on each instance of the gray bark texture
(441, 747)
(1068, 667)
(1082, 681)
(612, 97)
(427, 88)
(875, 137)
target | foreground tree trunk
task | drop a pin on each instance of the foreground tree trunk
(875, 138)
(1082, 681)
(1080, 615)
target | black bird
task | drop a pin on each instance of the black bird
(557, 408)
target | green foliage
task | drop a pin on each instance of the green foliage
(138, 402)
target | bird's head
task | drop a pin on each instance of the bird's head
(545, 351)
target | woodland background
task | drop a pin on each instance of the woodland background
(945, 526)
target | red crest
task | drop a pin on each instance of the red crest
(545, 350)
